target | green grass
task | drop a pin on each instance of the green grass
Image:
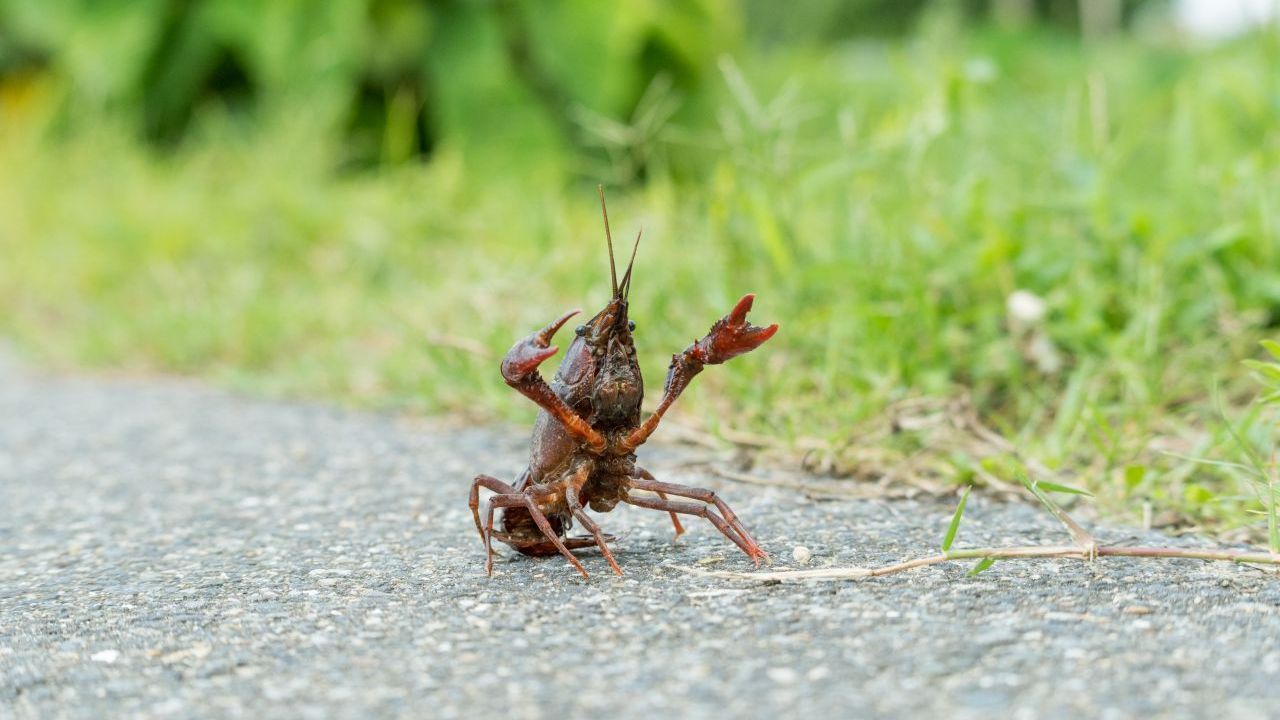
(884, 201)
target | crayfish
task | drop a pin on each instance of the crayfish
(583, 450)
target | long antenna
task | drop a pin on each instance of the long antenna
(613, 271)
(626, 278)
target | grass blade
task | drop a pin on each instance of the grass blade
(1078, 533)
(1273, 522)
(1244, 446)
(1055, 487)
(981, 565)
(1273, 527)
(1214, 463)
(955, 521)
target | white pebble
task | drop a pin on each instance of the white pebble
(801, 554)
(105, 656)
(783, 675)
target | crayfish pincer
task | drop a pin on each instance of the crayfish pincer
(582, 453)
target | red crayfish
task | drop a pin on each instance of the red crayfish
(582, 452)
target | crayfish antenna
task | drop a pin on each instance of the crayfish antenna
(613, 270)
(625, 289)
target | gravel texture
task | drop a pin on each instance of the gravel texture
(171, 551)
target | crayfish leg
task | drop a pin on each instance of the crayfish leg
(725, 520)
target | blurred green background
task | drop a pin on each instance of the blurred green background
(1055, 220)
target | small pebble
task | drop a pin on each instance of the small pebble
(105, 656)
(783, 675)
(801, 554)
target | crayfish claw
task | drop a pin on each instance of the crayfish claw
(739, 312)
(757, 336)
(526, 355)
(554, 326)
(732, 335)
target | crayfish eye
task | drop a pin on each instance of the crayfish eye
(580, 330)
(631, 325)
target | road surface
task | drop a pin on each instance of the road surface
(167, 550)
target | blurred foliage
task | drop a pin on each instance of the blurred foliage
(397, 77)
(832, 20)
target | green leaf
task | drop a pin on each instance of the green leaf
(1197, 494)
(1055, 487)
(955, 521)
(981, 565)
(1269, 371)
(1272, 347)
(1133, 476)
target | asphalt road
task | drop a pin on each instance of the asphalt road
(171, 551)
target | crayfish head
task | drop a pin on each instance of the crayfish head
(617, 387)
(600, 367)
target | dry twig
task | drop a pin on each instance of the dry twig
(1085, 547)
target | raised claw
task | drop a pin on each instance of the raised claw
(732, 335)
(526, 355)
